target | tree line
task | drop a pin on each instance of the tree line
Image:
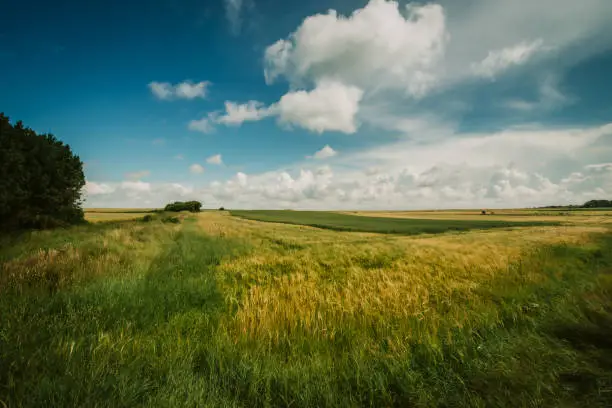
(41, 179)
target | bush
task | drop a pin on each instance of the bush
(172, 220)
(147, 218)
(221, 209)
(41, 179)
(178, 206)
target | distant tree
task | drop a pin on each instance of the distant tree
(41, 179)
(221, 209)
(177, 206)
(597, 204)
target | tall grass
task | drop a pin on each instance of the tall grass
(219, 311)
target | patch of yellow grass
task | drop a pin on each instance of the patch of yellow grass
(313, 280)
(112, 216)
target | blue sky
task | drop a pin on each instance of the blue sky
(321, 104)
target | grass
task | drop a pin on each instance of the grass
(345, 222)
(115, 214)
(223, 311)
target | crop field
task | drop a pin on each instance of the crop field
(385, 225)
(574, 216)
(214, 309)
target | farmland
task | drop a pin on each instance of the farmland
(227, 310)
(386, 225)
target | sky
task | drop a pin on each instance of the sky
(339, 104)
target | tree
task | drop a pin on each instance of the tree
(41, 179)
(597, 204)
(177, 206)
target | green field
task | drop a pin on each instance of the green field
(345, 222)
(223, 311)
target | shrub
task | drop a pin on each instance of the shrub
(41, 179)
(221, 209)
(172, 220)
(178, 206)
(147, 218)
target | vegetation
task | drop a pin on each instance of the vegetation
(598, 204)
(588, 204)
(345, 222)
(41, 179)
(177, 206)
(224, 311)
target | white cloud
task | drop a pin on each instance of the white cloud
(93, 188)
(136, 195)
(137, 175)
(233, 12)
(216, 159)
(161, 90)
(183, 90)
(378, 46)
(498, 61)
(506, 169)
(549, 98)
(325, 153)
(135, 186)
(179, 157)
(599, 167)
(196, 169)
(331, 106)
(236, 113)
(204, 125)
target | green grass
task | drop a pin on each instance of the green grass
(345, 222)
(150, 314)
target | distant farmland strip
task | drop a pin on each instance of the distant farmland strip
(402, 226)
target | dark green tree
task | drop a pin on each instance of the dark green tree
(177, 206)
(40, 179)
(597, 204)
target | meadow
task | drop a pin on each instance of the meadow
(212, 309)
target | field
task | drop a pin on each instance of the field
(574, 216)
(115, 214)
(387, 225)
(219, 310)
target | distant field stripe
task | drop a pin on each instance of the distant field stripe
(402, 226)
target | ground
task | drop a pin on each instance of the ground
(219, 310)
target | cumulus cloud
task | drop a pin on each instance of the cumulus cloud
(196, 169)
(135, 194)
(183, 90)
(325, 153)
(236, 113)
(505, 169)
(331, 106)
(204, 125)
(216, 159)
(380, 45)
(137, 175)
(93, 188)
(500, 60)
